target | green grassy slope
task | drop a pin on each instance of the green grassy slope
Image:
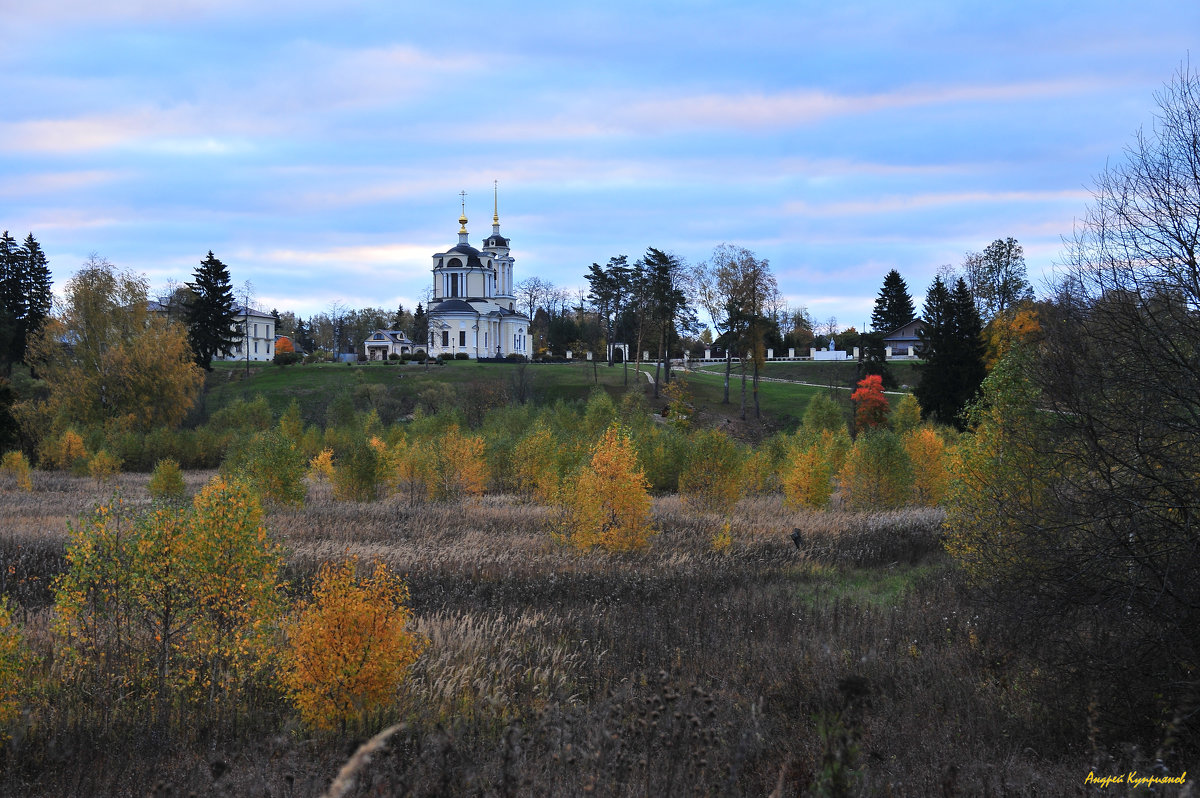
(395, 389)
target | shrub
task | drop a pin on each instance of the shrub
(536, 464)
(906, 415)
(349, 646)
(458, 468)
(14, 661)
(609, 502)
(166, 481)
(870, 405)
(271, 465)
(287, 358)
(320, 467)
(16, 465)
(808, 478)
(822, 413)
(66, 453)
(240, 415)
(930, 465)
(515, 357)
(103, 466)
(395, 356)
(713, 480)
(877, 473)
(461, 356)
(356, 474)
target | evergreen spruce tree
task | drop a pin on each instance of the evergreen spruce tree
(211, 316)
(420, 334)
(10, 295)
(35, 286)
(953, 349)
(893, 306)
(25, 295)
(302, 340)
(893, 309)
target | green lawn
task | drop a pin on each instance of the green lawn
(823, 372)
(397, 387)
(783, 403)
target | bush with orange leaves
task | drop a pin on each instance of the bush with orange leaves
(349, 646)
(807, 480)
(458, 468)
(870, 405)
(930, 465)
(65, 453)
(609, 503)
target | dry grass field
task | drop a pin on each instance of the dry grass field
(849, 665)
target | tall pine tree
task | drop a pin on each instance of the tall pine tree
(893, 309)
(211, 316)
(893, 306)
(25, 295)
(10, 296)
(420, 333)
(952, 346)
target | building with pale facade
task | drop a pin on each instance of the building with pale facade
(473, 308)
(382, 344)
(254, 330)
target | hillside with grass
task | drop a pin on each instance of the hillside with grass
(396, 391)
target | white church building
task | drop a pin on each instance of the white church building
(473, 308)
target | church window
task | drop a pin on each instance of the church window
(462, 337)
(454, 285)
(445, 338)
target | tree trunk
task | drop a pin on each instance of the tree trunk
(756, 410)
(743, 389)
(728, 368)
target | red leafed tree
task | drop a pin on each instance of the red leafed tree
(284, 344)
(870, 405)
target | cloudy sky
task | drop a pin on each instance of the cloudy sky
(319, 148)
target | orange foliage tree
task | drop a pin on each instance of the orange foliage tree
(807, 479)
(870, 405)
(609, 504)
(283, 344)
(1015, 326)
(930, 465)
(349, 646)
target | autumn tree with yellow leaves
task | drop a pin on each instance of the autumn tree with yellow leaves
(349, 646)
(175, 607)
(124, 366)
(608, 505)
(712, 480)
